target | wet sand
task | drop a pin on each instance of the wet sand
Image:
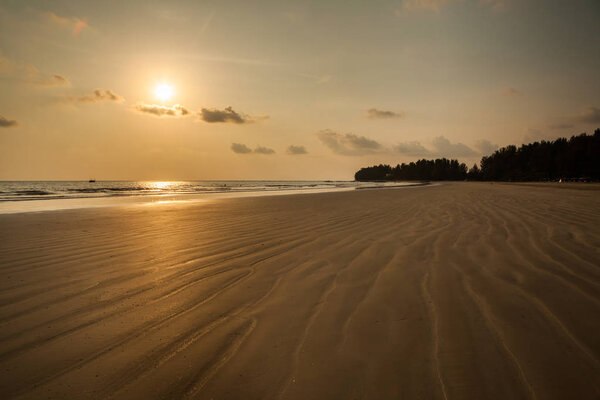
(457, 291)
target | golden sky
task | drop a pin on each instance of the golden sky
(170, 90)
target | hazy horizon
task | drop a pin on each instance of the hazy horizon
(286, 90)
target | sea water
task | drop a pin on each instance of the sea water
(21, 196)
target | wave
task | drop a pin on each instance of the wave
(30, 193)
(46, 190)
(107, 189)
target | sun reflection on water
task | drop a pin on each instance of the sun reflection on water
(163, 185)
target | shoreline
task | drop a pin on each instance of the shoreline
(50, 204)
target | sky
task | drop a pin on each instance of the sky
(286, 89)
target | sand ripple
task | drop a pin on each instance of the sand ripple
(458, 291)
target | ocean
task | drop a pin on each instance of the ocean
(18, 196)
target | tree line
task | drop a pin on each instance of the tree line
(566, 159)
(425, 170)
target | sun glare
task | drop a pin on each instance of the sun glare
(163, 91)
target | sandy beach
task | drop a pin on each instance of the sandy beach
(451, 291)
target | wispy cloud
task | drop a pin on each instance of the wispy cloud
(6, 66)
(79, 27)
(496, 5)
(160, 111)
(373, 113)
(590, 115)
(207, 22)
(75, 24)
(562, 125)
(99, 95)
(533, 135)
(414, 148)
(437, 5)
(7, 123)
(443, 147)
(296, 150)
(348, 144)
(33, 76)
(56, 18)
(486, 147)
(30, 74)
(228, 60)
(433, 5)
(510, 91)
(241, 148)
(227, 115)
(320, 79)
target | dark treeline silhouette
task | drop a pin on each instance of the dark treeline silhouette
(577, 158)
(423, 170)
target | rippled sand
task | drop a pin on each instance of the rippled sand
(458, 291)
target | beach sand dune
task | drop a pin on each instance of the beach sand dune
(455, 291)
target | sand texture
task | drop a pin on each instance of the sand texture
(457, 291)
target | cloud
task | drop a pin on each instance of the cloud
(158, 110)
(77, 23)
(97, 96)
(496, 5)
(79, 27)
(296, 150)
(226, 115)
(433, 5)
(7, 123)
(510, 91)
(207, 22)
(413, 148)
(442, 147)
(485, 146)
(590, 115)
(437, 5)
(240, 148)
(30, 74)
(35, 77)
(56, 18)
(446, 148)
(213, 115)
(348, 144)
(264, 150)
(534, 135)
(564, 125)
(6, 66)
(53, 80)
(373, 113)
(320, 79)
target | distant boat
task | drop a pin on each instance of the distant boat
(92, 181)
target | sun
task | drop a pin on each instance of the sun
(163, 91)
